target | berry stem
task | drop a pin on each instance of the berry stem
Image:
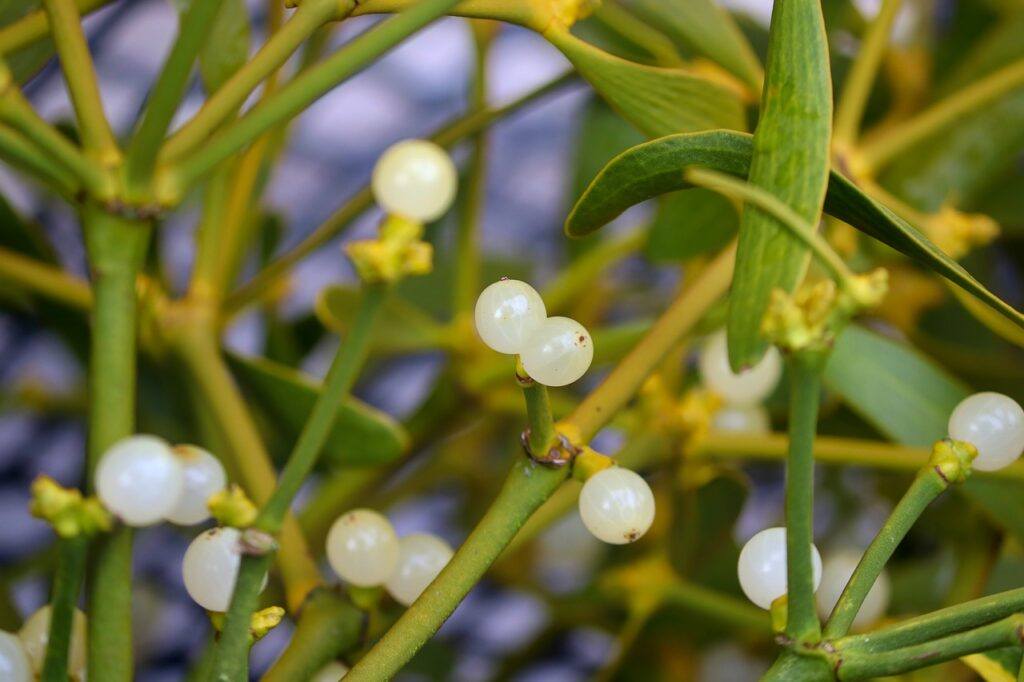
(541, 425)
(927, 486)
(66, 584)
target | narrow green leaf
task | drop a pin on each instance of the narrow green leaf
(658, 101)
(706, 29)
(790, 160)
(228, 46)
(401, 327)
(689, 224)
(362, 435)
(655, 168)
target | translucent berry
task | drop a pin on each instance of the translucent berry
(332, 672)
(210, 567)
(616, 505)
(507, 313)
(421, 556)
(415, 179)
(204, 476)
(140, 480)
(35, 634)
(750, 386)
(836, 572)
(362, 548)
(742, 419)
(994, 424)
(15, 665)
(762, 567)
(558, 352)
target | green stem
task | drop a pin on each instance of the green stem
(166, 94)
(304, 89)
(328, 626)
(76, 62)
(66, 585)
(34, 26)
(230, 96)
(643, 35)
(576, 280)
(116, 248)
(927, 486)
(526, 488)
(540, 431)
(363, 199)
(858, 665)
(231, 658)
(44, 279)
(937, 624)
(20, 152)
(857, 87)
(805, 392)
(722, 607)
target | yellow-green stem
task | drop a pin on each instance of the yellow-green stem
(44, 279)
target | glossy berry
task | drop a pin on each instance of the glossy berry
(15, 665)
(210, 567)
(35, 634)
(762, 567)
(836, 572)
(507, 313)
(362, 548)
(558, 352)
(332, 672)
(994, 424)
(204, 476)
(616, 505)
(140, 480)
(750, 386)
(421, 556)
(415, 179)
(750, 420)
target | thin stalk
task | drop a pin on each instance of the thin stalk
(193, 31)
(328, 626)
(805, 393)
(526, 488)
(722, 607)
(937, 624)
(856, 89)
(540, 432)
(21, 153)
(575, 280)
(655, 43)
(35, 26)
(231, 95)
(45, 280)
(231, 653)
(363, 199)
(116, 248)
(80, 76)
(66, 584)
(856, 665)
(683, 313)
(927, 486)
(304, 89)
(880, 149)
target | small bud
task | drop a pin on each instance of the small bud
(779, 612)
(232, 507)
(66, 510)
(588, 462)
(952, 459)
(264, 621)
(396, 253)
(957, 233)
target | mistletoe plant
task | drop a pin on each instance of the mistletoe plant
(918, 156)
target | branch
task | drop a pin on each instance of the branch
(45, 280)
(34, 26)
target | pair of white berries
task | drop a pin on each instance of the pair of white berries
(142, 480)
(364, 550)
(762, 574)
(741, 392)
(22, 655)
(511, 318)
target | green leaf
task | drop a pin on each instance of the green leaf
(400, 328)
(362, 435)
(706, 29)
(658, 101)
(711, 218)
(701, 546)
(228, 46)
(791, 161)
(655, 168)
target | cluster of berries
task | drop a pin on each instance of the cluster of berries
(742, 393)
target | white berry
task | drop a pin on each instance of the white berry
(750, 386)
(415, 179)
(742, 419)
(836, 572)
(558, 352)
(616, 505)
(362, 548)
(507, 313)
(15, 665)
(332, 672)
(35, 634)
(140, 480)
(204, 476)
(762, 567)
(421, 556)
(994, 424)
(210, 567)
